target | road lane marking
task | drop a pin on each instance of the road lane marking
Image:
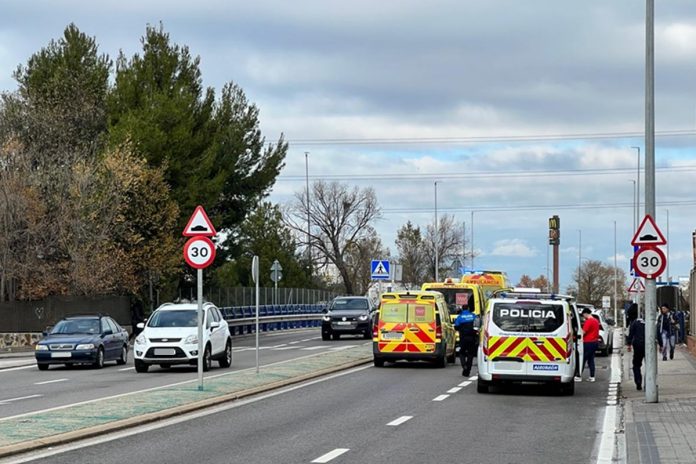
(134, 431)
(127, 369)
(296, 341)
(287, 348)
(400, 420)
(310, 348)
(9, 369)
(45, 382)
(466, 383)
(441, 398)
(12, 400)
(454, 390)
(306, 340)
(473, 377)
(331, 455)
(611, 417)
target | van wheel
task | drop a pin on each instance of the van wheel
(567, 388)
(140, 366)
(453, 358)
(441, 361)
(379, 362)
(367, 335)
(482, 386)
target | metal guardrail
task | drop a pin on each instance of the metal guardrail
(242, 319)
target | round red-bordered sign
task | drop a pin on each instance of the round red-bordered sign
(199, 252)
(649, 262)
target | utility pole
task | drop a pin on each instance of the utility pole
(616, 269)
(437, 240)
(309, 240)
(651, 393)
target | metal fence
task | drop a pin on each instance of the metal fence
(246, 296)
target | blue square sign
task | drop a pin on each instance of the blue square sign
(380, 269)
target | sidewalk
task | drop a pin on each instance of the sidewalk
(661, 432)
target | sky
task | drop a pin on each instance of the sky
(517, 110)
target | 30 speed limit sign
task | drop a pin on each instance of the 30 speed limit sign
(199, 252)
(649, 262)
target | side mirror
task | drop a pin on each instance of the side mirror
(140, 325)
(214, 325)
(107, 332)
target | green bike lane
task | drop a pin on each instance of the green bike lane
(60, 425)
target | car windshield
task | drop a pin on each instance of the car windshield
(349, 304)
(456, 298)
(528, 317)
(76, 326)
(177, 318)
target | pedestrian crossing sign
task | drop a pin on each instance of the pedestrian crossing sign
(380, 269)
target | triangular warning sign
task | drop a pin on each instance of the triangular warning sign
(199, 224)
(637, 286)
(648, 233)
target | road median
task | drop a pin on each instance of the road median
(32, 431)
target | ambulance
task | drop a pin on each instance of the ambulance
(530, 337)
(413, 325)
(458, 294)
(489, 281)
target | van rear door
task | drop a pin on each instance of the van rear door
(407, 327)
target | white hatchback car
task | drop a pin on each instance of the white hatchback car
(170, 336)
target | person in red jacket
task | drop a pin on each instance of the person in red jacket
(590, 340)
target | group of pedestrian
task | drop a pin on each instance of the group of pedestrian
(668, 333)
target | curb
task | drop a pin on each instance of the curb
(91, 432)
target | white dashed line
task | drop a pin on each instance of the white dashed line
(400, 420)
(126, 369)
(286, 348)
(311, 348)
(465, 383)
(331, 455)
(12, 400)
(292, 343)
(50, 381)
(454, 390)
(473, 377)
(441, 398)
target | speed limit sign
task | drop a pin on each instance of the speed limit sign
(649, 262)
(199, 252)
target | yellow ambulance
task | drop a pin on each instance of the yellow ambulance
(413, 325)
(489, 281)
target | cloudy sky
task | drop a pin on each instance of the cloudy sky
(518, 110)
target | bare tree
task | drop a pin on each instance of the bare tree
(450, 244)
(595, 280)
(339, 218)
(540, 282)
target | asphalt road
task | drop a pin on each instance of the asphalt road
(26, 389)
(408, 413)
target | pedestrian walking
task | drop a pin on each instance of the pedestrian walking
(467, 324)
(666, 332)
(681, 329)
(636, 340)
(631, 315)
(590, 341)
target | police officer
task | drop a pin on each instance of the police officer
(467, 324)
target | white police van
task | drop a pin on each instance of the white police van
(529, 336)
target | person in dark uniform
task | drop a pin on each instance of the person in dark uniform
(466, 324)
(636, 340)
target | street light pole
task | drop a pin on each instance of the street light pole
(437, 240)
(651, 391)
(669, 276)
(616, 269)
(579, 261)
(472, 241)
(309, 240)
(638, 185)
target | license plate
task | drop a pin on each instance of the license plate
(392, 335)
(61, 354)
(165, 351)
(343, 323)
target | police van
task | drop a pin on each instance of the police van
(530, 337)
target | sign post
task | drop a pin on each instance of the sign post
(199, 253)
(255, 276)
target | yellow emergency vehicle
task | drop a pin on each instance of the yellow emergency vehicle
(413, 325)
(489, 281)
(458, 294)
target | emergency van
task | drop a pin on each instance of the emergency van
(413, 325)
(458, 294)
(489, 281)
(530, 337)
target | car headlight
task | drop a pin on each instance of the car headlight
(326, 318)
(85, 346)
(41, 347)
(140, 339)
(363, 317)
(191, 340)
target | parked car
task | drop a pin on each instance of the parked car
(170, 336)
(606, 330)
(348, 315)
(92, 339)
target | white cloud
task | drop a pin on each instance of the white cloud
(513, 248)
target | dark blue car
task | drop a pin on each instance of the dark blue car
(83, 340)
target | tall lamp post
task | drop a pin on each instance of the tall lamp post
(437, 240)
(637, 185)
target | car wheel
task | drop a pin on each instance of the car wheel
(367, 335)
(141, 366)
(206, 359)
(123, 359)
(42, 367)
(482, 386)
(99, 362)
(379, 362)
(226, 360)
(336, 336)
(325, 336)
